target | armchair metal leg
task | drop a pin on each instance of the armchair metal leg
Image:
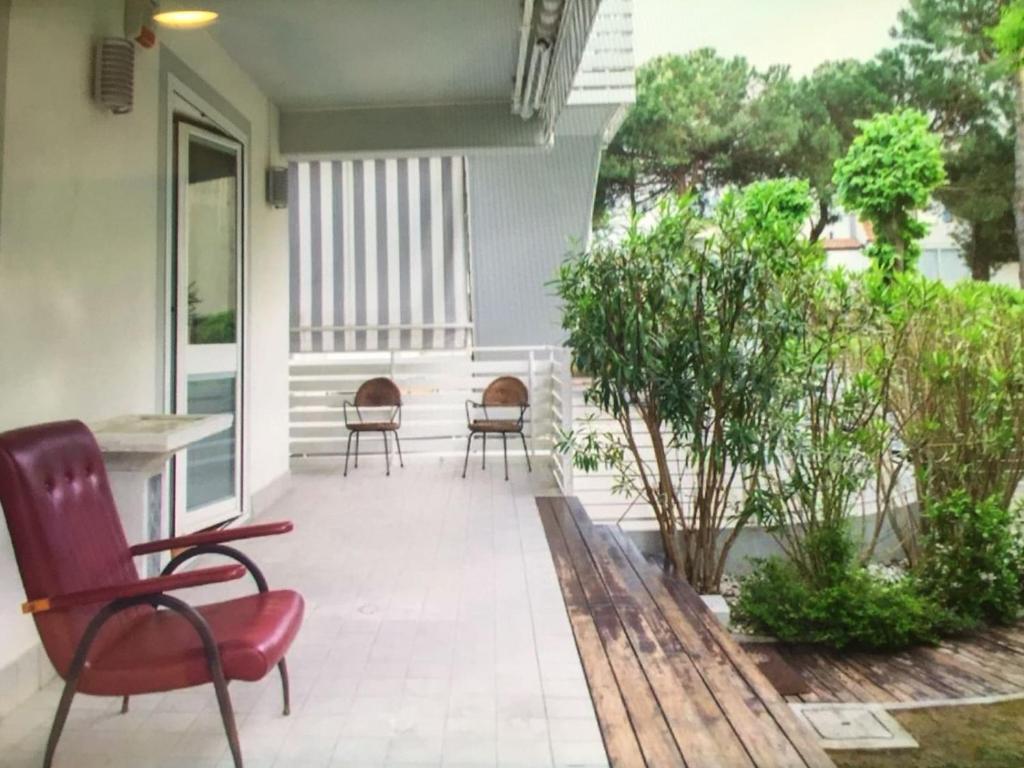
(529, 466)
(465, 464)
(227, 713)
(357, 450)
(401, 461)
(212, 659)
(124, 706)
(504, 450)
(348, 449)
(387, 454)
(70, 685)
(483, 463)
(282, 667)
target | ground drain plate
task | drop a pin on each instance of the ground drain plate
(855, 726)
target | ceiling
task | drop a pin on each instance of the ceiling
(330, 54)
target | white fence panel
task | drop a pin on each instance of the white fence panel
(435, 385)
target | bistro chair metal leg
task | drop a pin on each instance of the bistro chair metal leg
(483, 463)
(348, 450)
(504, 449)
(529, 467)
(387, 454)
(124, 705)
(357, 450)
(398, 443)
(465, 464)
(282, 667)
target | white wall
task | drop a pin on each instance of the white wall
(80, 269)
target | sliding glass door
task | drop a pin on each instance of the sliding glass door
(207, 322)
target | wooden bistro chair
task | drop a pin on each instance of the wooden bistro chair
(378, 394)
(504, 393)
(107, 631)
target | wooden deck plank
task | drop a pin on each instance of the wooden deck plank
(845, 687)
(987, 663)
(680, 678)
(870, 690)
(778, 738)
(620, 740)
(669, 668)
(653, 731)
(1002, 665)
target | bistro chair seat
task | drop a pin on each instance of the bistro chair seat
(506, 393)
(107, 631)
(380, 394)
(374, 426)
(508, 426)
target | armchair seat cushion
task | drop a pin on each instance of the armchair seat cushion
(158, 650)
(373, 426)
(495, 425)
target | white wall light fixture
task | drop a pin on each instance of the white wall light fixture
(183, 15)
(114, 74)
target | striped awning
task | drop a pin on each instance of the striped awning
(379, 254)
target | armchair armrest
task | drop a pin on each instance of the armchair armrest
(154, 586)
(213, 537)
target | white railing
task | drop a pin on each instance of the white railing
(562, 416)
(597, 490)
(578, 18)
(435, 385)
(606, 74)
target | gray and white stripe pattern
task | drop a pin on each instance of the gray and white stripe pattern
(378, 254)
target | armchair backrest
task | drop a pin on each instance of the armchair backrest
(64, 526)
(506, 391)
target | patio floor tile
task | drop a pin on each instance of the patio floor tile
(434, 635)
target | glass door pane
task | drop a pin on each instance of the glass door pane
(208, 347)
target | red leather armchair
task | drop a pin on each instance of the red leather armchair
(106, 631)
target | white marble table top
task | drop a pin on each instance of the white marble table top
(157, 433)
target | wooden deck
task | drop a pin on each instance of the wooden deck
(988, 664)
(670, 686)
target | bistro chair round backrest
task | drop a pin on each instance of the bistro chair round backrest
(378, 393)
(506, 391)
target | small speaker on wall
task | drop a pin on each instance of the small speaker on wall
(114, 74)
(277, 186)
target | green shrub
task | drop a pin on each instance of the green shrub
(857, 610)
(218, 328)
(971, 561)
(956, 395)
(682, 326)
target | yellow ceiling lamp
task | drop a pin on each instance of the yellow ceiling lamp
(180, 15)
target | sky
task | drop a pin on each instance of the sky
(801, 33)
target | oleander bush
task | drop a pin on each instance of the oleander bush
(938, 383)
(971, 564)
(853, 608)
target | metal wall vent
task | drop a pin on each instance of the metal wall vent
(114, 74)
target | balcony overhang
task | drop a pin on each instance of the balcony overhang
(398, 131)
(467, 129)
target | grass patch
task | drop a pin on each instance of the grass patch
(974, 736)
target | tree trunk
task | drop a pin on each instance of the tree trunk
(981, 269)
(1018, 185)
(818, 227)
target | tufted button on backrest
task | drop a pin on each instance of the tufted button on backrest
(64, 526)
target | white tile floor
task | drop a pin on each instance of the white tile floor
(435, 635)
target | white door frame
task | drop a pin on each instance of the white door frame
(183, 102)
